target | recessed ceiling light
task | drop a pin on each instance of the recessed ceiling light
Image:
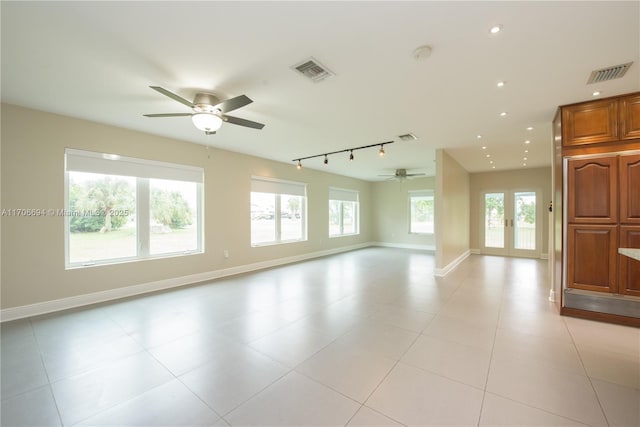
(495, 29)
(527, 142)
(501, 84)
(524, 164)
(484, 147)
(504, 113)
(488, 155)
(530, 128)
(526, 151)
(493, 167)
(479, 136)
(490, 162)
(524, 158)
(596, 93)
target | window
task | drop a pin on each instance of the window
(343, 212)
(278, 211)
(421, 207)
(122, 209)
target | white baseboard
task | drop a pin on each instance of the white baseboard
(14, 313)
(479, 252)
(441, 272)
(429, 248)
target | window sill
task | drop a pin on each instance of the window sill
(91, 264)
(343, 235)
(283, 242)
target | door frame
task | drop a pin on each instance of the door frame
(509, 250)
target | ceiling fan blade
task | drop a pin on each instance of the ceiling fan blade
(168, 115)
(243, 122)
(234, 103)
(173, 96)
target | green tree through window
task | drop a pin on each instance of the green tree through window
(170, 208)
(93, 202)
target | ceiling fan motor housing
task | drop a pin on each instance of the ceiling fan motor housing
(204, 102)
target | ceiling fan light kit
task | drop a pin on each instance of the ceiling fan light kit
(208, 112)
(207, 122)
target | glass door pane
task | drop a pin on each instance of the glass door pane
(524, 233)
(494, 220)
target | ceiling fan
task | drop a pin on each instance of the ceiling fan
(401, 175)
(208, 112)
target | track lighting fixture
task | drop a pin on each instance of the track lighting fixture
(381, 152)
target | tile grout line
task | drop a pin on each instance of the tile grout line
(181, 382)
(401, 356)
(46, 372)
(593, 388)
(493, 346)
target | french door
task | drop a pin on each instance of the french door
(510, 223)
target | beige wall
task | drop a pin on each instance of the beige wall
(452, 210)
(32, 171)
(32, 176)
(538, 179)
(390, 203)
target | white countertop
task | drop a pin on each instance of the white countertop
(630, 252)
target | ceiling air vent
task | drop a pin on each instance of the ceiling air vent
(608, 73)
(313, 70)
(407, 137)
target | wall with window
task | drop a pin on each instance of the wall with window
(392, 213)
(120, 208)
(344, 212)
(513, 180)
(278, 211)
(33, 177)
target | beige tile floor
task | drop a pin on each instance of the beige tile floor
(366, 338)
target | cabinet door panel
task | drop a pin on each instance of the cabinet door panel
(591, 257)
(630, 117)
(592, 190)
(630, 189)
(629, 282)
(590, 123)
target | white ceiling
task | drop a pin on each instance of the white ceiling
(96, 61)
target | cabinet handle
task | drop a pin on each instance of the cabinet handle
(506, 222)
(512, 223)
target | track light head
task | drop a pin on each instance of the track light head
(299, 165)
(351, 156)
(326, 160)
(381, 152)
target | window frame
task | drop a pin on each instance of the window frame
(343, 195)
(142, 170)
(279, 188)
(421, 193)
